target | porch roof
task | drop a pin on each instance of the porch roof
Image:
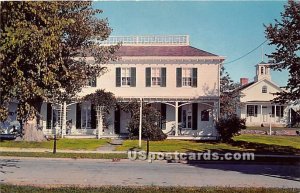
(168, 99)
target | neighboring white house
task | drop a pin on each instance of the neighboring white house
(181, 81)
(256, 100)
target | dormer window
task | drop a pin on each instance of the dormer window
(264, 89)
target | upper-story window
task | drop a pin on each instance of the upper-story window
(126, 77)
(156, 76)
(264, 89)
(186, 77)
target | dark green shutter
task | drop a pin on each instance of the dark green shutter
(78, 116)
(273, 111)
(195, 116)
(163, 111)
(93, 117)
(255, 110)
(163, 77)
(194, 78)
(179, 113)
(49, 115)
(281, 111)
(148, 77)
(118, 77)
(133, 77)
(117, 120)
(178, 77)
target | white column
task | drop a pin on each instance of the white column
(140, 123)
(261, 115)
(176, 118)
(64, 119)
(100, 121)
(290, 117)
(275, 116)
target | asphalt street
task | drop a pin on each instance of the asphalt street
(84, 172)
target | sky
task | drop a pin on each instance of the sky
(225, 28)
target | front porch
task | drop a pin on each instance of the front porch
(181, 118)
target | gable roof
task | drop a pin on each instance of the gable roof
(251, 84)
(161, 51)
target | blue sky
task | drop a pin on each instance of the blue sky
(229, 29)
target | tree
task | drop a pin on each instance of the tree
(285, 35)
(229, 127)
(228, 98)
(43, 52)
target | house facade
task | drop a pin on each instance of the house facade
(181, 81)
(256, 100)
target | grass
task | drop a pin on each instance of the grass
(177, 145)
(266, 128)
(67, 155)
(256, 143)
(62, 144)
(144, 189)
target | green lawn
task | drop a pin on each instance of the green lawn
(144, 189)
(66, 144)
(177, 145)
(256, 143)
(266, 128)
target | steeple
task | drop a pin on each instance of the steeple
(262, 71)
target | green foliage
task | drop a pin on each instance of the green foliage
(229, 127)
(285, 36)
(228, 98)
(43, 46)
(103, 99)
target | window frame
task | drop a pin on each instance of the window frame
(187, 79)
(156, 76)
(264, 89)
(127, 77)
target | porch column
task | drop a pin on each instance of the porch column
(176, 118)
(100, 121)
(275, 116)
(261, 115)
(64, 119)
(290, 117)
(140, 123)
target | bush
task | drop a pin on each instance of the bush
(229, 127)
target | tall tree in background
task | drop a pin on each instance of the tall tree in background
(228, 98)
(285, 35)
(40, 47)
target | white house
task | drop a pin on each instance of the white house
(256, 100)
(181, 81)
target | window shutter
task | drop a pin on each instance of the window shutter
(49, 115)
(273, 111)
(163, 112)
(163, 77)
(93, 117)
(281, 111)
(178, 77)
(179, 113)
(118, 77)
(195, 116)
(194, 77)
(133, 77)
(117, 120)
(148, 77)
(255, 112)
(78, 116)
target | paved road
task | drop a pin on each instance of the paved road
(105, 172)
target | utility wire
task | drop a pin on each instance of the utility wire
(246, 53)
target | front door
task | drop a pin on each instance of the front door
(187, 117)
(265, 114)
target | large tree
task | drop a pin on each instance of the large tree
(43, 50)
(228, 96)
(285, 35)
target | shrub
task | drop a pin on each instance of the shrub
(229, 127)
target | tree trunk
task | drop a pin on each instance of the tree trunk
(31, 128)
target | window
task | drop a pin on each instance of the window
(262, 70)
(186, 77)
(86, 116)
(252, 110)
(92, 82)
(205, 115)
(126, 76)
(156, 76)
(264, 89)
(279, 111)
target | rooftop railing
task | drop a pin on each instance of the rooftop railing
(148, 40)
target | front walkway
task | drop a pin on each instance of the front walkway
(111, 146)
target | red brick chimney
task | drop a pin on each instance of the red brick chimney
(244, 81)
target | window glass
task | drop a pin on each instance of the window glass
(156, 76)
(186, 77)
(126, 76)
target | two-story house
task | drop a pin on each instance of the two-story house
(181, 81)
